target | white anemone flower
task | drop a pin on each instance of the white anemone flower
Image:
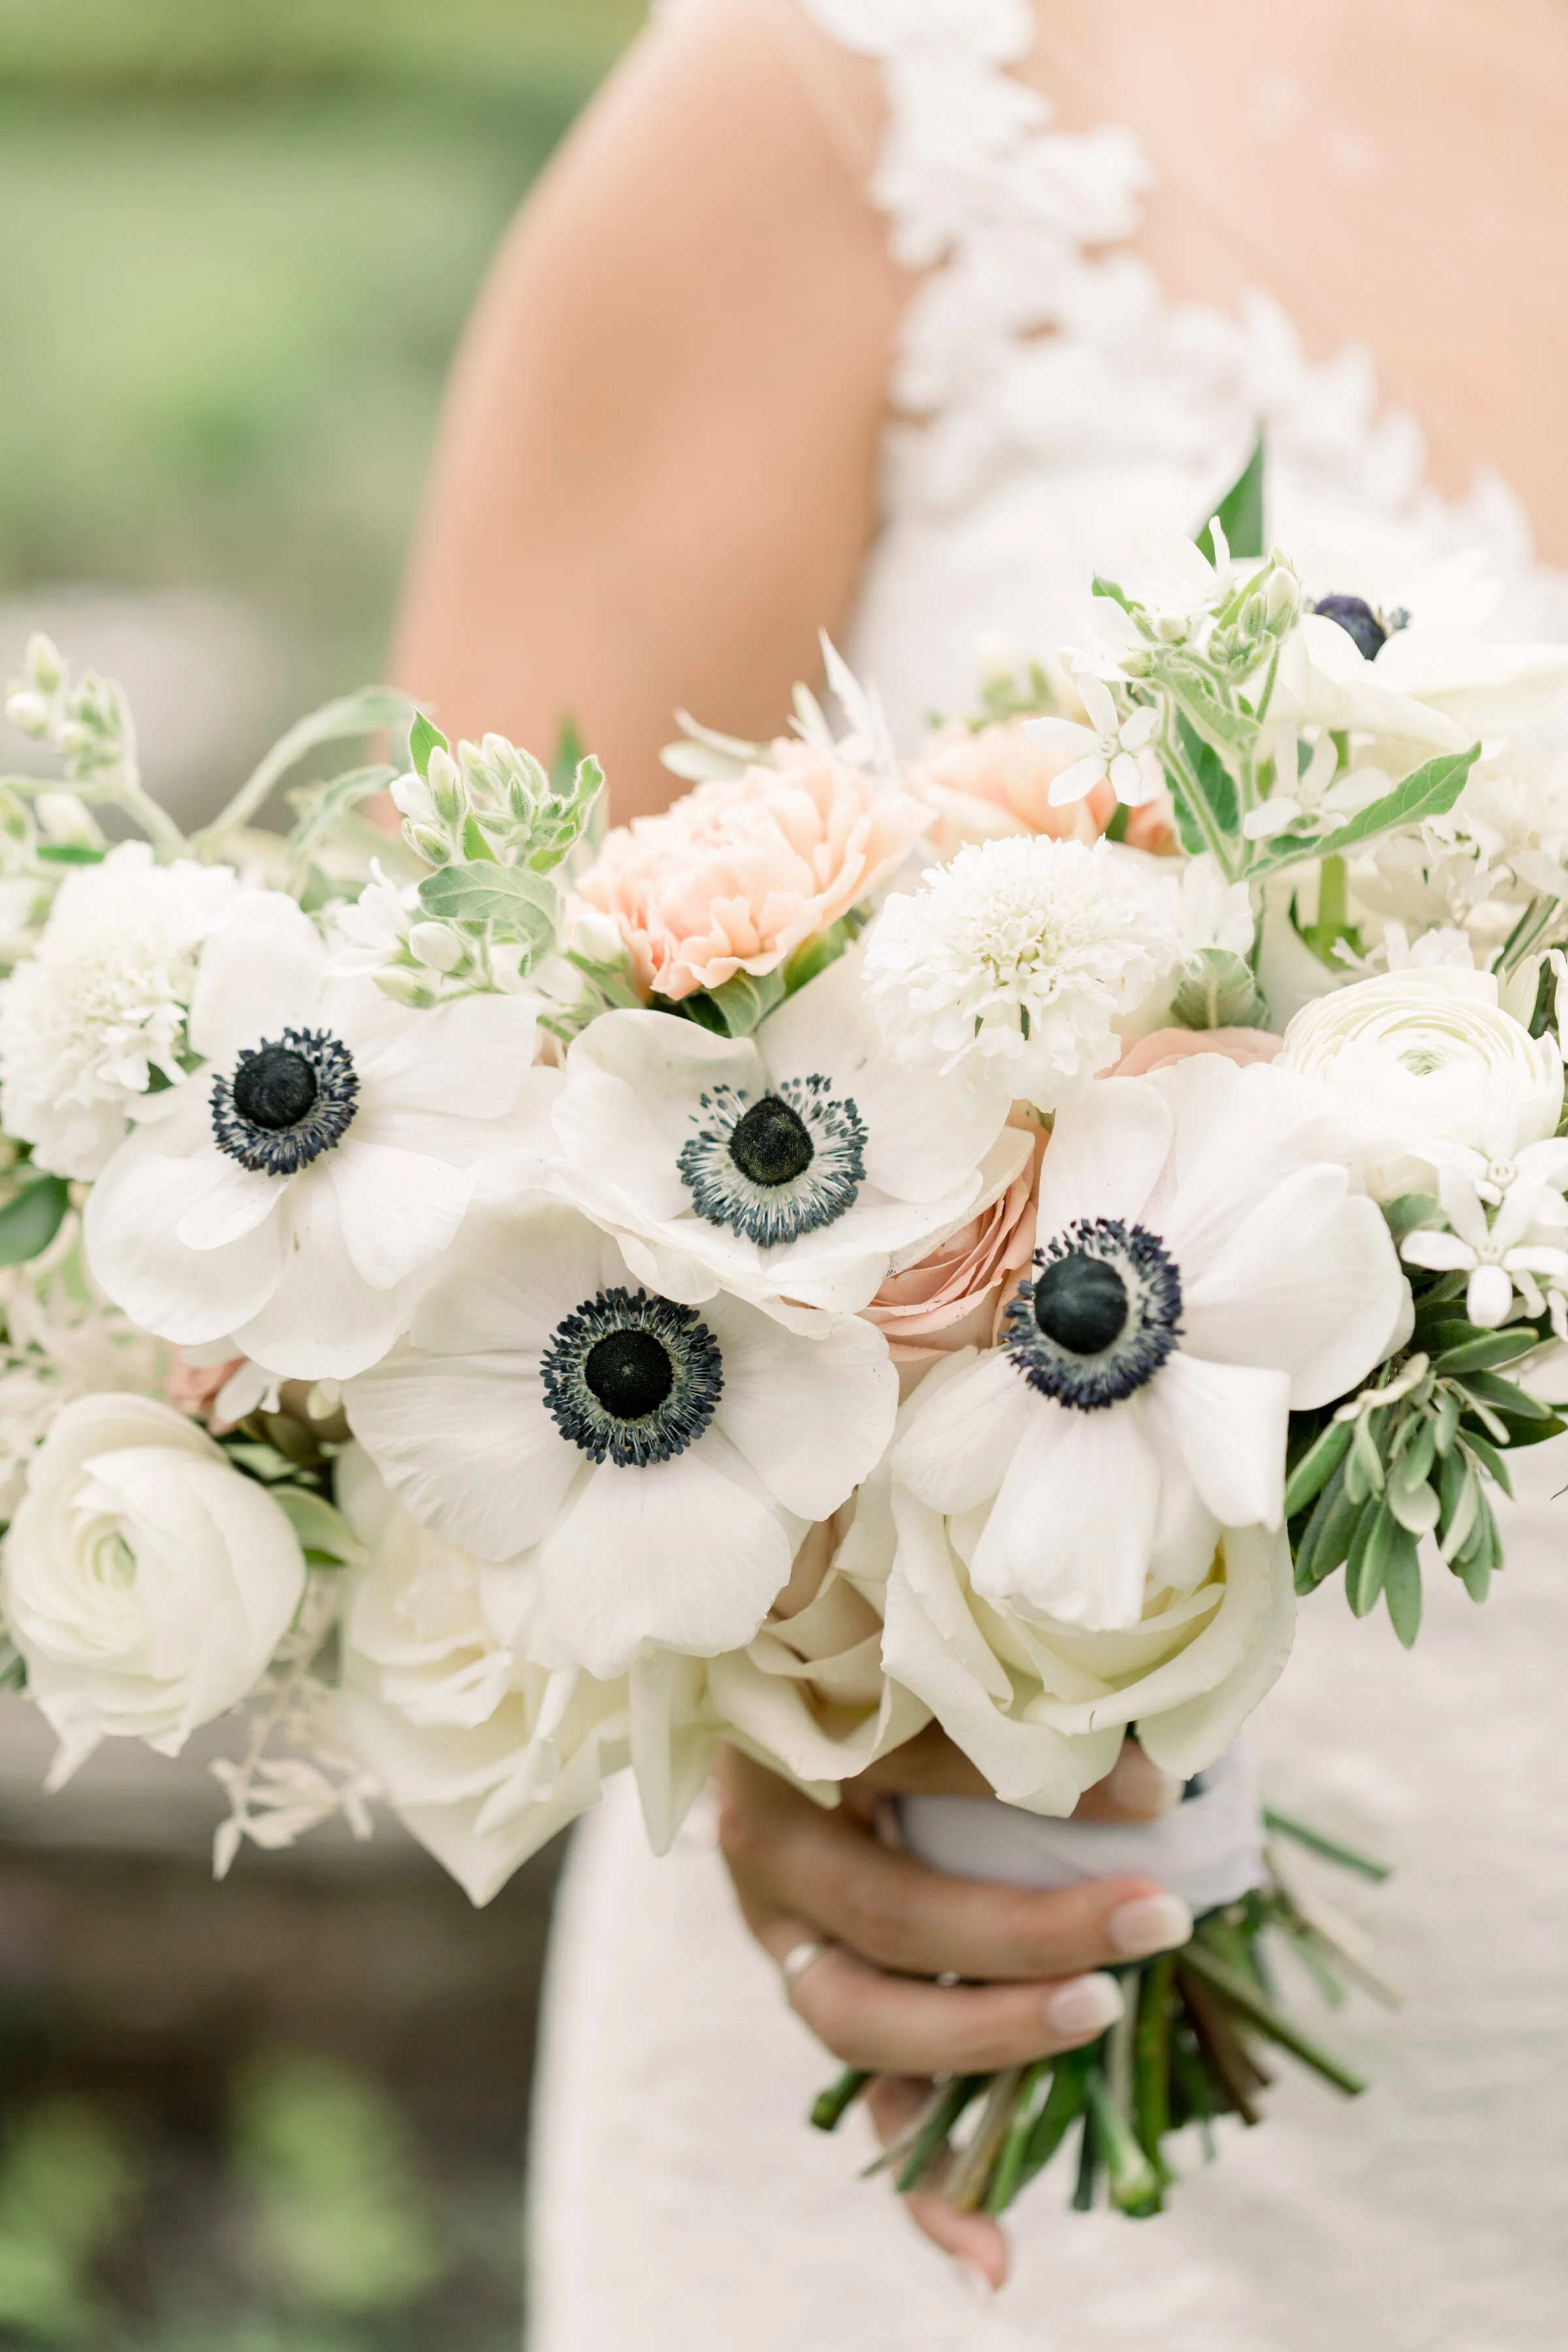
(88, 1020)
(289, 1194)
(1110, 749)
(1205, 1265)
(653, 1464)
(791, 1165)
(1325, 682)
(1497, 1252)
(1016, 964)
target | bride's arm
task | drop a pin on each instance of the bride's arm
(655, 479)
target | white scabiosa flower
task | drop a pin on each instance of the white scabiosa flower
(1015, 962)
(654, 1466)
(791, 1165)
(289, 1195)
(145, 1581)
(1205, 1265)
(87, 1021)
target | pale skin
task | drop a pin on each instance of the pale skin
(656, 482)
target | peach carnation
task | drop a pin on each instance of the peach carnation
(986, 781)
(740, 873)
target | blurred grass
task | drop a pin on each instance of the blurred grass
(236, 246)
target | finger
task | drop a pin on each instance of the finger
(785, 1854)
(975, 2242)
(1134, 1789)
(898, 2025)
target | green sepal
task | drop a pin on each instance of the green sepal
(738, 1006)
(815, 955)
(424, 737)
(29, 1222)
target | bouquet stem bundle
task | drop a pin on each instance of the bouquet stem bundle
(1186, 2050)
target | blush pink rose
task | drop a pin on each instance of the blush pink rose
(949, 1298)
(193, 1388)
(992, 780)
(740, 873)
(1163, 1046)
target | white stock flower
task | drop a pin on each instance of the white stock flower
(87, 1021)
(291, 1193)
(1041, 1706)
(1014, 964)
(145, 1580)
(481, 1754)
(1204, 1267)
(658, 1464)
(794, 1164)
(1110, 749)
(1426, 1055)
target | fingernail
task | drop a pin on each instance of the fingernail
(1138, 1787)
(1150, 1922)
(973, 2278)
(1085, 2007)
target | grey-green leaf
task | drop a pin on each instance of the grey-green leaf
(517, 904)
(737, 1007)
(424, 737)
(29, 1222)
(320, 1529)
(1427, 790)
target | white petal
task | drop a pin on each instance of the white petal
(1097, 702)
(811, 1416)
(1071, 1532)
(515, 1270)
(1060, 735)
(399, 1209)
(323, 1321)
(1308, 1283)
(1138, 727)
(1075, 784)
(232, 1203)
(1488, 1296)
(467, 1059)
(1239, 1134)
(468, 1446)
(680, 1554)
(963, 1431)
(1105, 1154)
(1192, 1708)
(1226, 1423)
(260, 973)
(131, 1225)
(1439, 1253)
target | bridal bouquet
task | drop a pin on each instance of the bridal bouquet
(510, 1302)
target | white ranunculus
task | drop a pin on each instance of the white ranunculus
(1427, 1055)
(657, 1464)
(1041, 1707)
(145, 1581)
(292, 1193)
(793, 1164)
(482, 1754)
(1206, 1265)
(100, 1008)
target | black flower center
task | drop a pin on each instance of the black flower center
(772, 1143)
(274, 1087)
(1100, 1316)
(1355, 616)
(632, 1377)
(291, 1098)
(773, 1170)
(630, 1373)
(1081, 1302)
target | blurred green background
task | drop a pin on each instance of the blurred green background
(238, 242)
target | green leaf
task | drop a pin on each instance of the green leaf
(1317, 1466)
(1488, 1457)
(319, 809)
(1328, 1533)
(1217, 990)
(1100, 587)
(1506, 1396)
(323, 1532)
(815, 955)
(1485, 1350)
(518, 905)
(29, 1222)
(476, 848)
(1368, 1560)
(424, 737)
(735, 1009)
(1240, 511)
(567, 757)
(69, 853)
(1429, 790)
(1412, 1212)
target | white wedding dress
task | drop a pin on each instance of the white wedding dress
(1050, 402)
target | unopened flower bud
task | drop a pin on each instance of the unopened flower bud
(28, 712)
(413, 798)
(63, 817)
(427, 844)
(598, 940)
(45, 666)
(436, 945)
(74, 737)
(445, 785)
(404, 987)
(1282, 599)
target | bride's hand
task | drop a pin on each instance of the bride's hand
(1029, 1961)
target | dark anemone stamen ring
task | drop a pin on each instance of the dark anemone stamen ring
(1102, 1315)
(289, 1099)
(632, 1377)
(771, 1170)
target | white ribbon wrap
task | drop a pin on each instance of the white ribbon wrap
(1208, 1849)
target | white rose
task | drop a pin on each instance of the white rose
(145, 1582)
(1041, 1707)
(1423, 1056)
(481, 1754)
